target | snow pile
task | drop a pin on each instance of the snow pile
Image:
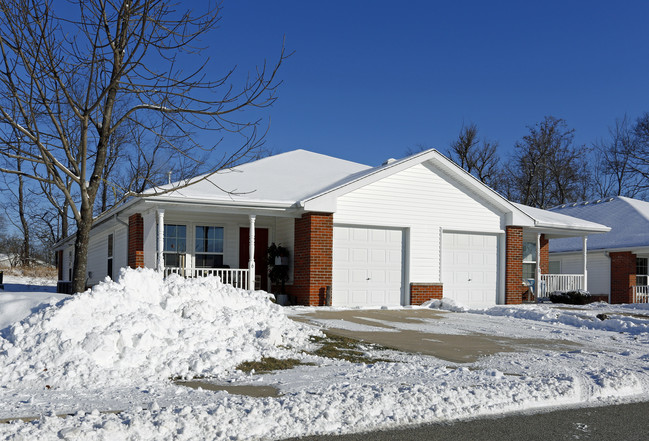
(145, 328)
(599, 316)
(445, 304)
(16, 306)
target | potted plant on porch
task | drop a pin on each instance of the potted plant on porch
(278, 271)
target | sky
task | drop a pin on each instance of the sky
(368, 80)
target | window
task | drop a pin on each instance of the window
(529, 260)
(175, 245)
(209, 247)
(109, 269)
(641, 271)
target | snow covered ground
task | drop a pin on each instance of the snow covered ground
(116, 348)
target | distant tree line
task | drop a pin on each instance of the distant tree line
(547, 168)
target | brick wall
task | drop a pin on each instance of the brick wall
(514, 266)
(422, 292)
(545, 255)
(623, 268)
(313, 258)
(136, 241)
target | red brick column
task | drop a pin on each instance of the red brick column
(623, 268)
(422, 292)
(544, 260)
(514, 266)
(136, 241)
(313, 258)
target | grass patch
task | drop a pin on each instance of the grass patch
(269, 364)
(330, 346)
(345, 348)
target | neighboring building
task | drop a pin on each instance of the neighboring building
(617, 260)
(397, 234)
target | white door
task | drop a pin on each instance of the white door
(470, 268)
(367, 267)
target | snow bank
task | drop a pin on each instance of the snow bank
(613, 318)
(145, 328)
(445, 304)
(16, 306)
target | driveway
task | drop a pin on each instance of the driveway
(404, 330)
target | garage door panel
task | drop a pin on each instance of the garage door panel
(374, 273)
(359, 255)
(470, 268)
(379, 256)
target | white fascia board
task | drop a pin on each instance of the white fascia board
(569, 230)
(197, 205)
(639, 250)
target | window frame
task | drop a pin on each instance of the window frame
(177, 253)
(642, 271)
(529, 263)
(205, 241)
(110, 253)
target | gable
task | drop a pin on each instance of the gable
(422, 195)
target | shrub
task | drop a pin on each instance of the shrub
(578, 297)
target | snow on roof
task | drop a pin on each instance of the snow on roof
(627, 217)
(284, 178)
(545, 218)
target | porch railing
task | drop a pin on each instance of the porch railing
(560, 282)
(235, 277)
(640, 294)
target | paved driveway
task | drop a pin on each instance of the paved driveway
(398, 329)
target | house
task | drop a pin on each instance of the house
(397, 234)
(617, 260)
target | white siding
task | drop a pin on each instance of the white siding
(599, 270)
(120, 249)
(422, 200)
(98, 251)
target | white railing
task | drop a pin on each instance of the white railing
(560, 282)
(235, 277)
(640, 294)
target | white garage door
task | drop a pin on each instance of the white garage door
(367, 267)
(470, 268)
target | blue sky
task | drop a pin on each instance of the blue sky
(370, 79)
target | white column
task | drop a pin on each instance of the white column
(585, 260)
(251, 253)
(537, 274)
(161, 240)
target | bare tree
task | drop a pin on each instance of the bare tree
(478, 157)
(546, 168)
(614, 171)
(75, 80)
(640, 154)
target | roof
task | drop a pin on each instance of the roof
(303, 180)
(627, 217)
(313, 181)
(282, 179)
(551, 219)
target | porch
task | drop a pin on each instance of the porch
(200, 243)
(560, 282)
(539, 278)
(640, 293)
(239, 278)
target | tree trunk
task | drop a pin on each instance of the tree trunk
(64, 221)
(25, 252)
(79, 272)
